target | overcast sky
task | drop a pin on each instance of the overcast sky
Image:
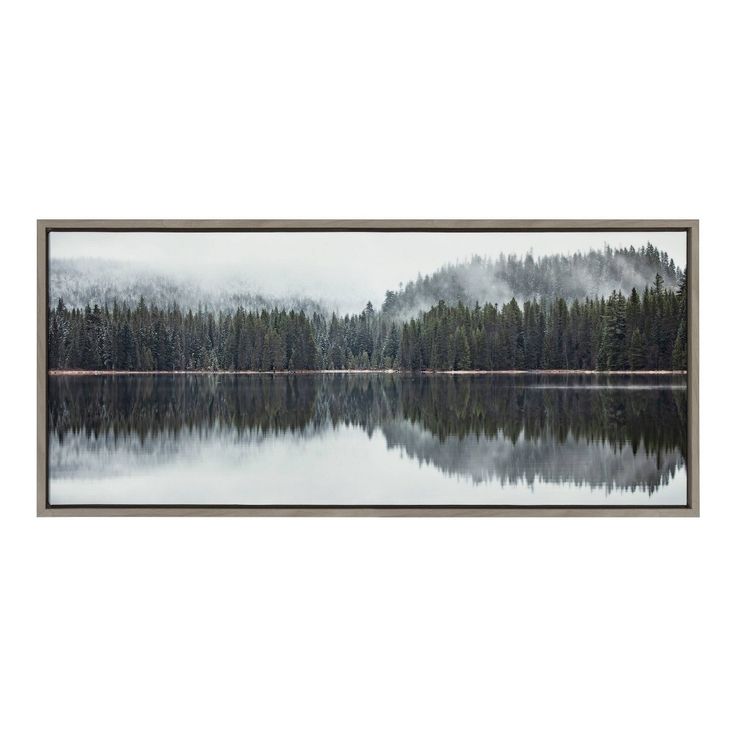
(343, 268)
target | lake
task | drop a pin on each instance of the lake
(368, 439)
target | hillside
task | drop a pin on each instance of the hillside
(482, 280)
(79, 282)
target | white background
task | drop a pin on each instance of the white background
(363, 626)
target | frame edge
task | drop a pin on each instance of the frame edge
(41, 371)
(44, 226)
(693, 368)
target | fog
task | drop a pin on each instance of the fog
(341, 269)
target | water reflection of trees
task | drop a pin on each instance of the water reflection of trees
(510, 426)
(596, 464)
(550, 408)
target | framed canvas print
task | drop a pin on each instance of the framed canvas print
(368, 367)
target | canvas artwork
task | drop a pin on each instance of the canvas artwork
(373, 369)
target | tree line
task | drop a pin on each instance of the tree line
(635, 332)
(622, 332)
(149, 338)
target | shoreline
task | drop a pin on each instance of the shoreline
(560, 371)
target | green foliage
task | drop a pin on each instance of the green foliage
(153, 339)
(617, 333)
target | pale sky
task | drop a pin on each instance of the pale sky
(346, 268)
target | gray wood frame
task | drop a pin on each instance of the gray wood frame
(44, 227)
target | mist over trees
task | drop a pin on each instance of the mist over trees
(623, 309)
(646, 331)
(82, 281)
(597, 273)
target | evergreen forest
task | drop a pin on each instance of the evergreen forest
(619, 332)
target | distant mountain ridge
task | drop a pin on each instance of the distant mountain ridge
(80, 282)
(495, 281)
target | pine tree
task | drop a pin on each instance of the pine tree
(612, 355)
(679, 351)
(637, 353)
(462, 361)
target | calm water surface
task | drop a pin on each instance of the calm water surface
(367, 439)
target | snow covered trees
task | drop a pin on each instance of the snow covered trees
(617, 333)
